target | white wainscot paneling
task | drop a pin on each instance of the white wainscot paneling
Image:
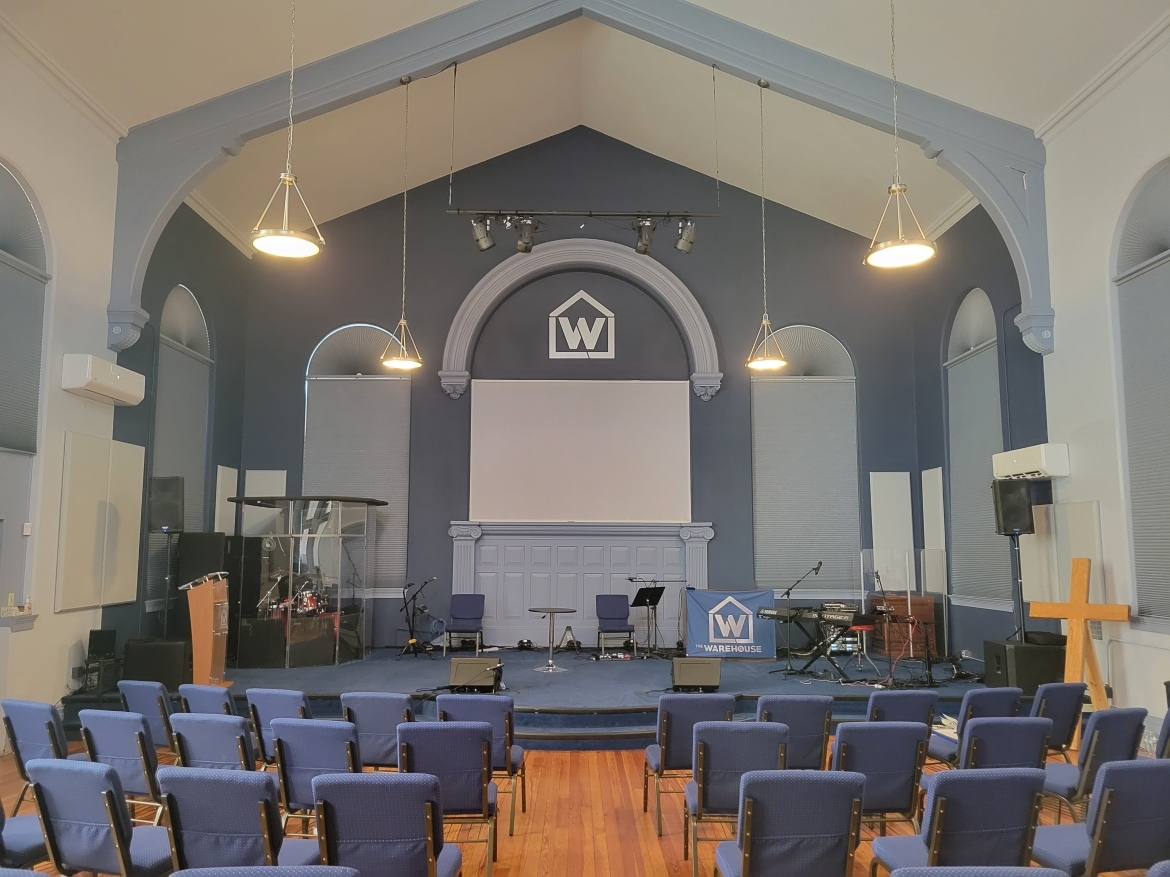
(518, 566)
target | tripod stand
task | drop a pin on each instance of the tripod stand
(413, 610)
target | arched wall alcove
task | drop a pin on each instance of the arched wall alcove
(584, 254)
(1144, 231)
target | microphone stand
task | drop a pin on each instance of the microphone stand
(787, 597)
(412, 644)
(887, 609)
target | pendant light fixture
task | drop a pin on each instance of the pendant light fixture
(899, 251)
(401, 352)
(285, 241)
(766, 352)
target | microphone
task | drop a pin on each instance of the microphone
(817, 568)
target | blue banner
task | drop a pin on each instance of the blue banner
(723, 624)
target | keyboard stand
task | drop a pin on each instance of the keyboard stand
(823, 649)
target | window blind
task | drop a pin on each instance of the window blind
(180, 426)
(22, 303)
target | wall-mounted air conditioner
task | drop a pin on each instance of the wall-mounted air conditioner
(103, 381)
(1035, 463)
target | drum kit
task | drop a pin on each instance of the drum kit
(304, 602)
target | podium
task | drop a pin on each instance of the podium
(207, 603)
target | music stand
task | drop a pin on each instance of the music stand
(648, 598)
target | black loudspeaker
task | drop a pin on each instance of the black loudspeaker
(1013, 507)
(155, 661)
(695, 674)
(1021, 665)
(476, 674)
(166, 503)
(243, 565)
(197, 554)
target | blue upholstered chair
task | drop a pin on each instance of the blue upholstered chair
(498, 710)
(21, 842)
(212, 699)
(613, 619)
(380, 823)
(1162, 747)
(723, 753)
(213, 741)
(1109, 735)
(794, 822)
(808, 717)
(1019, 741)
(916, 705)
(34, 730)
(1161, 869)
(266, 704)
(671, 753)
(306, 748)
(377, 715)
(154, 702)
(222, 818)
(1127, 826)
(87, 825)
(979, 871)
(123, 741)
(277, 871)
(977, 703)
(890, 755)
(1062, 702)
(459, 754)
(971, 817)
(466, 618)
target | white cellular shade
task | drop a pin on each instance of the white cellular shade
(1144, 308)
(357, 443)
(22, 303)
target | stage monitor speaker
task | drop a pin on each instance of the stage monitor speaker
(1021, 665)
(155, 661)
(476, 674)
(166, 503)
(695, 674)
(1013, 507)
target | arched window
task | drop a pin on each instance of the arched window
(804, 465)
(980, 559)
(357, 438)
(1143, 307)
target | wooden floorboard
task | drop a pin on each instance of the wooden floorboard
(584, 819)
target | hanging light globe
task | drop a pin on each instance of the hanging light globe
(899, 251)
(766, 352)
(401, 352)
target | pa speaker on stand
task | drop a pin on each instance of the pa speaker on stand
(1013, 518)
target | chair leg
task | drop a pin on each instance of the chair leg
(523, 789)
(446, 640)
(601, 641)
(658, 801)
(686, 831)
(873, 866)
(695, 850)
(645, 787)
(512, 815)
(478, 642)
(20, 799)
(491, 846)
(495, 836)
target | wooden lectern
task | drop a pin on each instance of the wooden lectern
(207, 602)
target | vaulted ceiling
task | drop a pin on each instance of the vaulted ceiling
(1022, 60)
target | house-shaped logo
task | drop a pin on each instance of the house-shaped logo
(583, 341)
(731, 622)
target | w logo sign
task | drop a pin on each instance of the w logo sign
(730, 622)
(582, 340)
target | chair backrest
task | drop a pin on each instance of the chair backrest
(124, 742)
(979, 871)
(266, 704)
(1162, 747)
(377, 715)
(497, 710)
(467, 607)
(800, 822)
(275, 871)
(34, 730)
(613, 607)
(890, 755)
(1062, 702)
(220, 817)
(152, 700)
(454, 753)
(1161, 869)
(1018, 741)
(213, 741)
(725, 751)
(982, 817)
(213, 699)
(677, 716)
(902, 706)
(988, 703)
(380, 823)
(1109, 735)
(81, 806)
(1128, 816)
(808, 717)
(306, 748)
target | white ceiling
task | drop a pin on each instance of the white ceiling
(1019, 59)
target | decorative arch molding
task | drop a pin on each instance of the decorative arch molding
(160, 162)
(581, 254)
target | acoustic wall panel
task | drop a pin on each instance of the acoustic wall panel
(226, 479)
(262, 482)
(934, 533)
(123, 523)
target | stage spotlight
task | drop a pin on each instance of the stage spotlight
(686, 236)
(527, 226)
(481, 230)
(645, 230)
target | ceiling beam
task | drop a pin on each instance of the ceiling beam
(161, 161)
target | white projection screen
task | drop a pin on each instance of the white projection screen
(616, 451)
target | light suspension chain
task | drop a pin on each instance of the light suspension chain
(763, 228)
(894, 77)
(292, 42)
(405, 186)
(715, 113)
(451, 168)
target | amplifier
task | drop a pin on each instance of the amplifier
(1021, 665)
(476, 674)
(695, 674)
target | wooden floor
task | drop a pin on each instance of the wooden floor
(584, 819)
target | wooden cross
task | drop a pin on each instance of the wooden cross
(1080, 658)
